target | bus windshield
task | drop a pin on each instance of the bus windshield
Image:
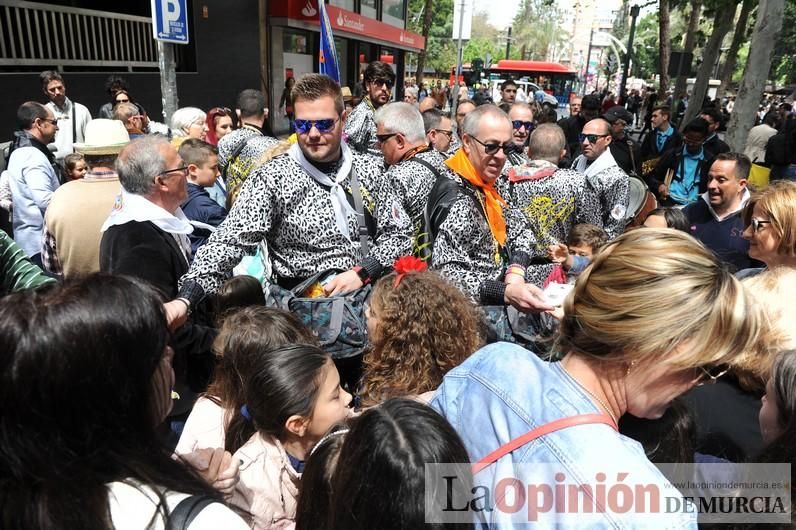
(552, 78)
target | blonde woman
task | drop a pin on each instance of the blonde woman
(770, 220)
(654, 315)
(726, 414)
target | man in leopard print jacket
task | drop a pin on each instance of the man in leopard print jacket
(484, 244)
(298, 204)
(360, 127)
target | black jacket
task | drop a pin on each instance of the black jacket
(627, 154)
(572, 127)
(144, 251)
(649, 147)
(716, 145)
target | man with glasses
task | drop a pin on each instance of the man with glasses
(239, 151)
(302, 205)
(130, 115)
(681, 174)
(484, 245)
(33, 176)
(72, 116)
(414, 165)
(522, 125)
(603, 175)
(589, 109)
(438, 129)
(360, 127)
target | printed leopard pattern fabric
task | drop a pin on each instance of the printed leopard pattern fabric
(360, 128)
(412, 182)
(553, 200)
(285, 207)
(248, 158)
(466, 253)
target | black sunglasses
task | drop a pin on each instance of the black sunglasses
(492, 148)
(379, 82)
(592, 138)
(324, 126)
(182, 169)
(446, 132)
(382, 138)
(518, 124)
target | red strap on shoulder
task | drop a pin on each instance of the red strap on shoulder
(540, 431)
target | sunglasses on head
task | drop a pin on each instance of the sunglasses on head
(519, 124)
(324, 125)
(592, 138)
(492, 148)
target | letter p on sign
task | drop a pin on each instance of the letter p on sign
(170, 21)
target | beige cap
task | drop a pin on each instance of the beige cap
(103, 137)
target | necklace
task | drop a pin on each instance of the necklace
(589, 392)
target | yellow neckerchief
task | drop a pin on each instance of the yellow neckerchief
(494, 202)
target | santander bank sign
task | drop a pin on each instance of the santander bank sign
(353, 23)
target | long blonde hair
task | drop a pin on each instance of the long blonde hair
(648, 292)
(774, 291)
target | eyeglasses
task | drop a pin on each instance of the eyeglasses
(755, 224)
(324, 125)
(519, 124)
(379, 82)
(492, 148)
(48, 120)
(592, 138)
(446, 132)
(182, 169)
(382, 138)
(122, 101)
(711, 374)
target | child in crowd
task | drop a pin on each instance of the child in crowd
(293, 397)
(216, 419)
(778, 411)
(75, 167)
(376, 471)
(205, 214)
(419, 327)
(668, 218)
(239, 292)
(583, 243)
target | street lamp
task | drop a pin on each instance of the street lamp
(634, 11)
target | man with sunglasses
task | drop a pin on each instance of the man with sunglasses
(589, 109)
(484, 245)
(32, 175)
(302, 205)
(522, 125)
(439, 131)
(687, 166)
(360, 127)
(413, 165)
(604, 175)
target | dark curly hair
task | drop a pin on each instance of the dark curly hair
(427, 327)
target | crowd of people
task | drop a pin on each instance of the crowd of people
(206, 326)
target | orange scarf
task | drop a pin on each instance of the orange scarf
(494, 202)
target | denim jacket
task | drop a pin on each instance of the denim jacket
(503, 391)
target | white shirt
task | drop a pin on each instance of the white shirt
(63, 138)
(132, 508)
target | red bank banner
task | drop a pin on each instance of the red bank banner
(348, 21)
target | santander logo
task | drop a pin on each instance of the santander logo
(308, 10)
(354, 24)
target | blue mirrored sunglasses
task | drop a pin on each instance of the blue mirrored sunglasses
(323, 126)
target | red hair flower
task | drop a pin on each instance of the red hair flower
(407, 264)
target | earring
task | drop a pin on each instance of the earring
(630, 367)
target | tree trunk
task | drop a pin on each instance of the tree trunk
(758, 65)
(690, 41)
(722, 23)
(664, 47)
(738, 39)
(421, 56)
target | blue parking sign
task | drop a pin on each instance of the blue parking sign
(170, 21)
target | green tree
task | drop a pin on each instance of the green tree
(440, 49)
(537, 30)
